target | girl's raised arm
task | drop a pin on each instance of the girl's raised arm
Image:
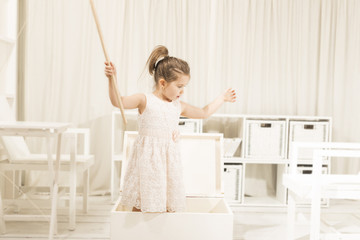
(129, 102)
(190, 111)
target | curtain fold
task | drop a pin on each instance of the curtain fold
(283, 57)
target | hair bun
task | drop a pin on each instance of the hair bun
(157, 55)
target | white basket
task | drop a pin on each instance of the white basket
(303, 131)
(308, 170)
(230, 146)
(190, 126)
(265, 139)
(232, 183)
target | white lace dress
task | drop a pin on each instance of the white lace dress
(153, 181)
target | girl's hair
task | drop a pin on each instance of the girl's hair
(161, 65)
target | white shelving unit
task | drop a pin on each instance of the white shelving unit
(263, 155)
(256, 148)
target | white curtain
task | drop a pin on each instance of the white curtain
(285, 57)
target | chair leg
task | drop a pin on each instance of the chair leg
(85, 190)
(2, 221)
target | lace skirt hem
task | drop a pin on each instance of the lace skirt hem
(153, 209)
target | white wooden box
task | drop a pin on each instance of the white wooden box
(307, 169)
(265, 139)
(305, 131)
(207, 216)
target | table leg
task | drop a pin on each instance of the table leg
(55, 177)
(291, 217)
(85, 190)
(2, 221)
(72, 183)
(315, 214)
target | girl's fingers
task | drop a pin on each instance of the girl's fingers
(110, 65)
(109, 69)
(231, 95)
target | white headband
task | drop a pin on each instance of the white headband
(159, 60)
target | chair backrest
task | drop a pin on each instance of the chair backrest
(13, 147)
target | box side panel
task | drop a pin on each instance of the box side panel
(212, 222)
(134, 226)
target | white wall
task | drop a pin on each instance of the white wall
(8, 70)
(282, 57)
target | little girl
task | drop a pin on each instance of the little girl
(153, 180)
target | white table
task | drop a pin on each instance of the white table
(49, 130)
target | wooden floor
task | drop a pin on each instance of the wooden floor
(250, 223)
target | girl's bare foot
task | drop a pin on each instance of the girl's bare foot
(136, 209)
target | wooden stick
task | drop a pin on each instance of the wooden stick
(114, 79)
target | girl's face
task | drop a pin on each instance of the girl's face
(173, 90)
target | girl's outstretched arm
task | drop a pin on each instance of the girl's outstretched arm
(194, 112)
(129, 102)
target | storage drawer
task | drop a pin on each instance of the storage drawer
(304, 131)
(233, 182)
(265, 139)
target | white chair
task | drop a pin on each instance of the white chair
(317, 185)
(19, 158)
